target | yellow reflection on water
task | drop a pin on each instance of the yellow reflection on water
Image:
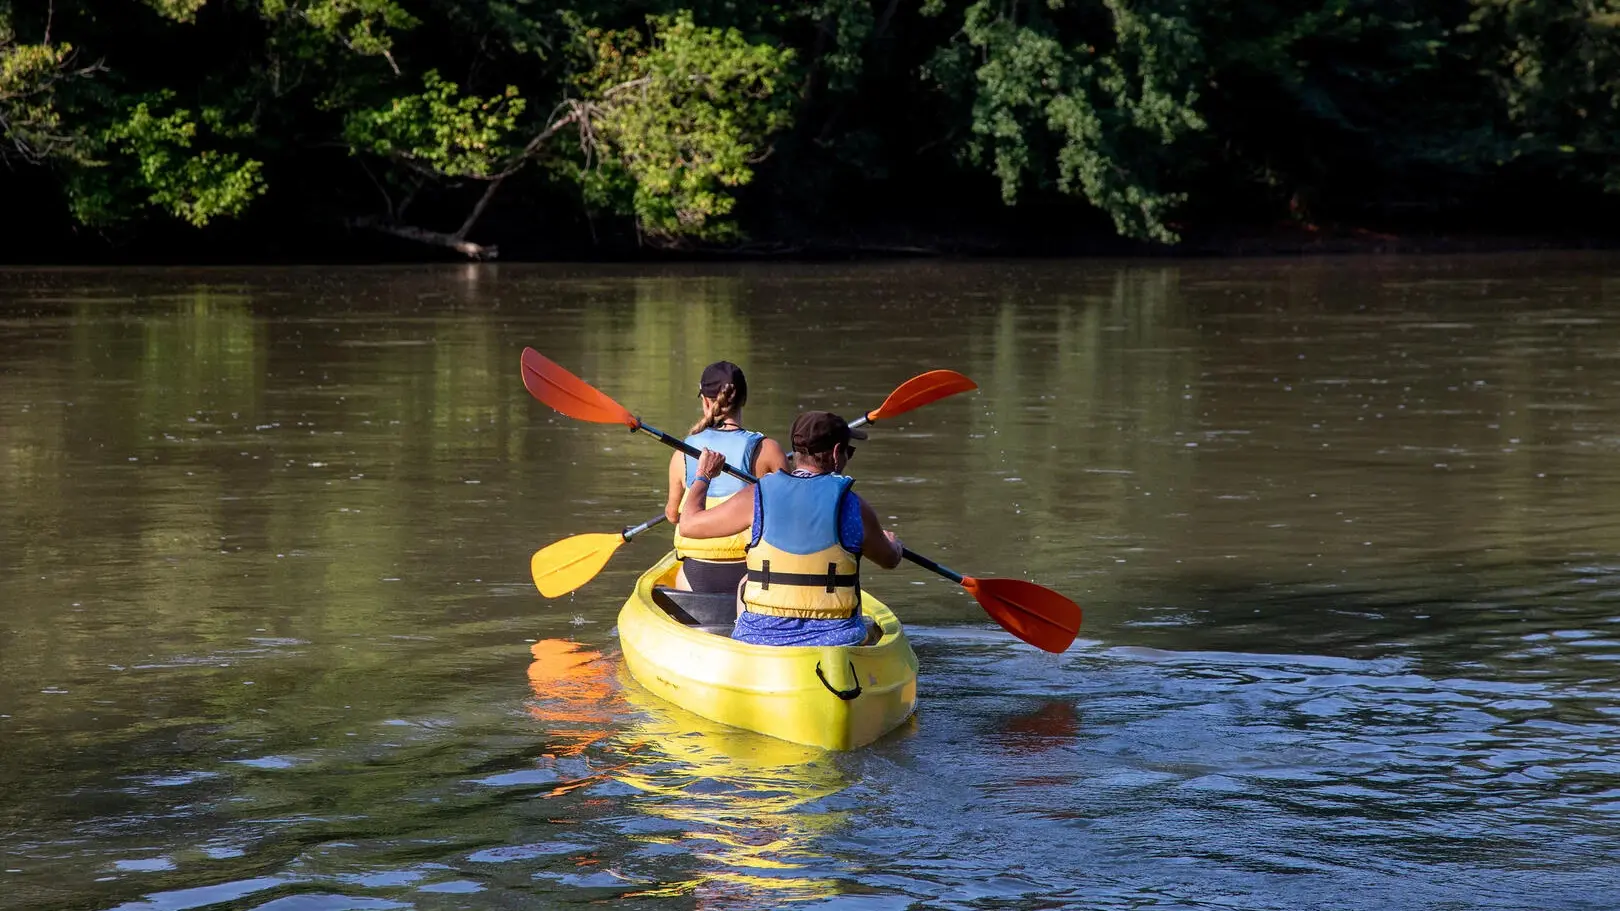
(745, 801)
(745, 805)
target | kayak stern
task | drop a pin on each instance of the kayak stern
(833, 697)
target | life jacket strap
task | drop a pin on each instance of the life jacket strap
(832, 580)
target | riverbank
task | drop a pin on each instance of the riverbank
(1282, 240)
(947, 229)
(345, 247)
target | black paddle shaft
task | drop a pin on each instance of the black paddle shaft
(630, 531)
(930, 565)
(683, 446)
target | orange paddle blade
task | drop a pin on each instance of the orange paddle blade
(1033, 613)
(570, 395)
(562, 567)
(920, 390)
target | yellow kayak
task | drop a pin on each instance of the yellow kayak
(677, 645)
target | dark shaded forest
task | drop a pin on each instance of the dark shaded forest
(354, 129)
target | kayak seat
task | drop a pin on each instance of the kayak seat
(712, 612)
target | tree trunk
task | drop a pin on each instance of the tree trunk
(422, 235)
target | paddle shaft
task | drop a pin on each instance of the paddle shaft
(630, 531)
(930, 565)
(680, 444)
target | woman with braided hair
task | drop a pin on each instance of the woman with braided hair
(718, 564)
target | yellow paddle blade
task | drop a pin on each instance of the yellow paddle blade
(562, 567)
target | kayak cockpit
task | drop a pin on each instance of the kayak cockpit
(711, 612)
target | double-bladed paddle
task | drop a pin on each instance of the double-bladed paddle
(1033, 613)
(566, 565)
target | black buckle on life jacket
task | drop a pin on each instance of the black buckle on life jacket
(830, 580)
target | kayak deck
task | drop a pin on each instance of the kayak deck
(677, 645)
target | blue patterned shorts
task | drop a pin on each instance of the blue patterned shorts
(760, 629)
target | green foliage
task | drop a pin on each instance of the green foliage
(178, 10)
(152, 161)
(1370, 101)
(1153, 113)
(32, 124)
(850, 22)
(440, 130)
(365, 27)
(1556, 69)
(1112, 113)
(686, 119)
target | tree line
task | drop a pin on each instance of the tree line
(462, 123)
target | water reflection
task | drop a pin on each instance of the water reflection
(749, 810)
(1054, 723)
(574, 696)
(734, 817)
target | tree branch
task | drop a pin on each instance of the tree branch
(422, 235)
(388, 201)
(576, 113)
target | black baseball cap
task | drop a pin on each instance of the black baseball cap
(718, 375)
(820, 431)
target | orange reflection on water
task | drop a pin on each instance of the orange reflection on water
(575, 695)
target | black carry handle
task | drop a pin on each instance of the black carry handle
(845, 695)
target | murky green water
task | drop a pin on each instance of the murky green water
(1346, 534)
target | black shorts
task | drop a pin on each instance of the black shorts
(704, 576)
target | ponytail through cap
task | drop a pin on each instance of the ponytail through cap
(725, 386)
(716, 409)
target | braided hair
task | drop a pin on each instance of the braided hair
(717, 409)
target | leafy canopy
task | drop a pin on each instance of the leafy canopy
(682, 120)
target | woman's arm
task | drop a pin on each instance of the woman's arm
(771, 458)
(730, 517)
(879, 546)
(677, 487)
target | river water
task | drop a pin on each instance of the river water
(1345, 532)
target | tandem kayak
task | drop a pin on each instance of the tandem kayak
(678, 645)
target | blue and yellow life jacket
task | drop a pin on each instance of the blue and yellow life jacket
(739, 447)
(798, 563)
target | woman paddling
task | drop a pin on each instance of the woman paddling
(810, 532)
(717, 564)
